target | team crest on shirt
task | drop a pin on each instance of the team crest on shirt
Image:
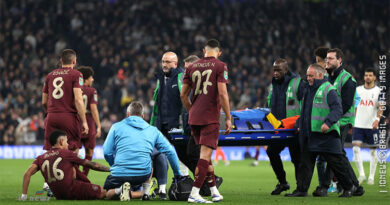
(95, 97)
(225, 74)
(95, 188)
(81, 81)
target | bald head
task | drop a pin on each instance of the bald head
(169, 61)
(280, 69)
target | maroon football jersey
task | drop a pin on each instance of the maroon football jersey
(59, 86)
(57, 167)
(89, 97)
(203, 77)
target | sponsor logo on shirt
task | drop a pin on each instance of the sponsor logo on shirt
(225, 74)
(174, 85)
(95, 97)
(81, 81)
(366, 103)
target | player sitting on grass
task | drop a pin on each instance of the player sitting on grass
(59, 167)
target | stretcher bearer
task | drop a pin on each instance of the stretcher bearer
(345, 85)
(284, 101)
(319, 132)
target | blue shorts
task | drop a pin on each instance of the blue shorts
(136, 182)
(368, 136)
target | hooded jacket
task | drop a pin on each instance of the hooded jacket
(129, 145)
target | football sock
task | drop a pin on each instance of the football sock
(358, 160)
(195, 191)
(145, 188)
(45, 186)
(214, 191)
(202, 171)
(210, 177)
(118, 190)
(161, 188)
(373, 163)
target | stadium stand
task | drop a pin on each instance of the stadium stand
(123, 41)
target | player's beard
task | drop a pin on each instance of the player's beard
(368, 83)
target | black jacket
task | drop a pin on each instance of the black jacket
(316, 141)
(174, 105)
(347, 91)
(278, 95)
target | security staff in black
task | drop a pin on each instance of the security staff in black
(319, 132)
(284, 101)
(345, 85)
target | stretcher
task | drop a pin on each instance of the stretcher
(250, 127)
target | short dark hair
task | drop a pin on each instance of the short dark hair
(67, 56)
(370, 70)
(53, 138)
(213, 43)
(321, 52)
(191, 59)
(135, 108)
(339, 53)
(87, 71)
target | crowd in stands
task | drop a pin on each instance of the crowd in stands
(124, 41)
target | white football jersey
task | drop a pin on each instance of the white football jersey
(367, 109)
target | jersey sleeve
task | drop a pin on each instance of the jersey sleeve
(73, 158)
(36, 162)
(94, 97)
(187, 77)
(222, 74)
(77, 81)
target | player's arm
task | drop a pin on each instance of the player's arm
(78, 98)
(184, 95)
(224, 100)
(95, 116)
(96, 166)
(26, 179)
(44, 101)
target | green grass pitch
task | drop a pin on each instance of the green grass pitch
(243, 184)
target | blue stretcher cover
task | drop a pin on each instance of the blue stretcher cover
(250, 127)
